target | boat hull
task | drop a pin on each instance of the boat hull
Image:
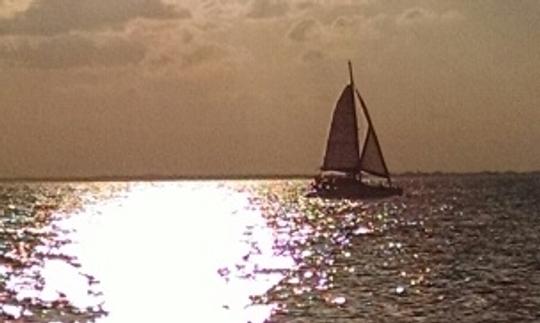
(350, 188)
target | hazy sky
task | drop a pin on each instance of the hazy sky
(131, 87)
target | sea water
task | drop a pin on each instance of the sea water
(452, 248)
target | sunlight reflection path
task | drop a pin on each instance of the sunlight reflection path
(157, 252)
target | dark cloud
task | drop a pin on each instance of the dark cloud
(64, 52)
(50, 17)
(304, 30)
(187, 36)
(344, 22)
(312, 56)
(203, 53)
(260, 9)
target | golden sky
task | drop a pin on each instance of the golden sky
(134, 87)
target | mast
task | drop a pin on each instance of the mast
(370, 126)
(351, 75)
(359, 172)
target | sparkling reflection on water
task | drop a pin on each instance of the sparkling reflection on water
(452, 248)
(161, 252)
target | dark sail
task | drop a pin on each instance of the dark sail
(342, 149)
(372, 159)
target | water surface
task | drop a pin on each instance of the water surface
(452, 248)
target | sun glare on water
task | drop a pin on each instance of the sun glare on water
(164, 253)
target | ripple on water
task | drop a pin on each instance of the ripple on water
(465, 245)
(414, 256)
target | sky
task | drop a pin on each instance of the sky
(183, 88)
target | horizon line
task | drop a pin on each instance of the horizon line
(152, 177)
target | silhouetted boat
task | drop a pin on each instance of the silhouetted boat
(345, 165)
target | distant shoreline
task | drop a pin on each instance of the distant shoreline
(151, 178)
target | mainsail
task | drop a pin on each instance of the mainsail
(342, 149)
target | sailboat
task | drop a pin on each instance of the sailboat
(346, 166)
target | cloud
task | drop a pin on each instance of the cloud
(260, 9)
(203, 53)
(188, 53)
(52, 17)
(305, 5)
(418, 15)
(415, 14)
(304, 30)
(9, 8)
(222, 9)
(312, 56)
(65, 52)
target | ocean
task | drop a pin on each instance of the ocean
(463, 248)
